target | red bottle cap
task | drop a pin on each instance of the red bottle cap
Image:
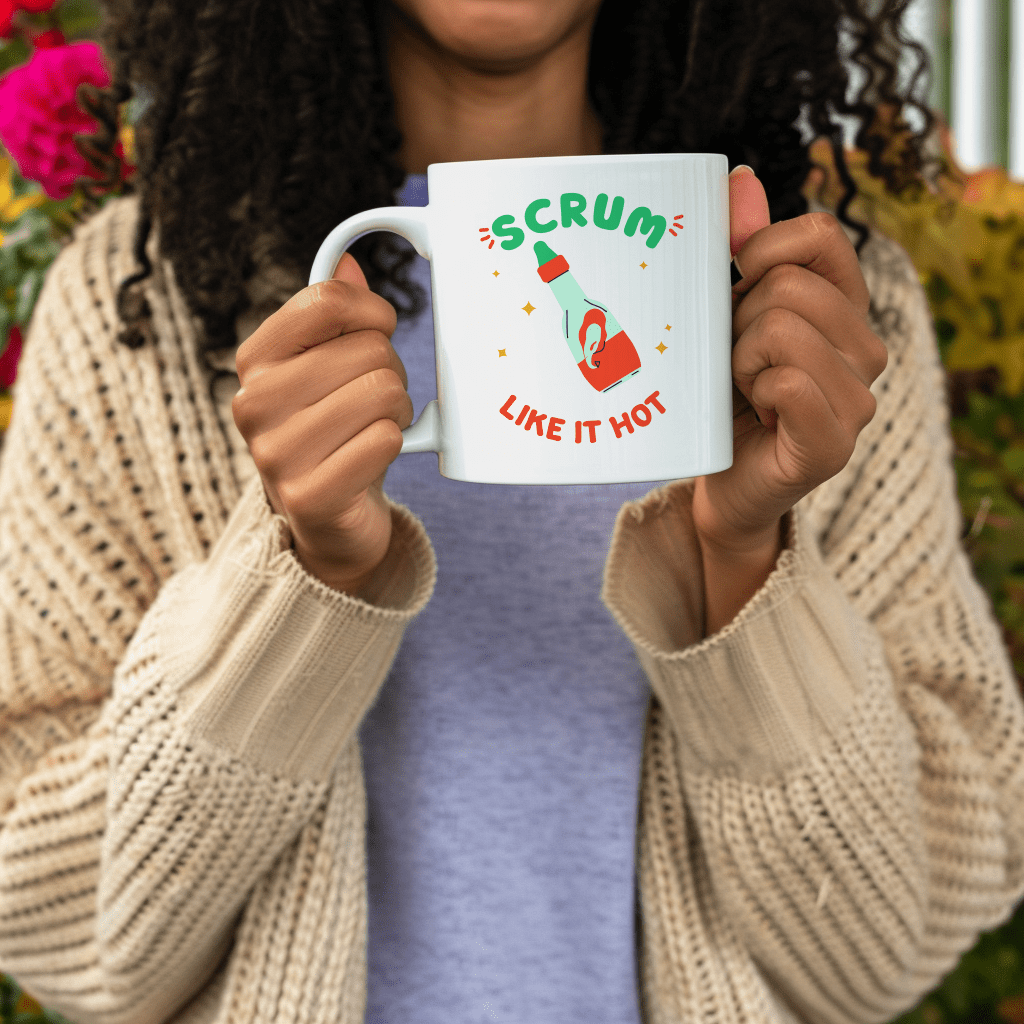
(553, 268)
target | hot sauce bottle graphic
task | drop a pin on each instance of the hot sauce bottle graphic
(601, 348)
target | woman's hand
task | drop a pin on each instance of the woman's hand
(803, 361)
(322, 405)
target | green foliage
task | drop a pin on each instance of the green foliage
(24, 258)
(30, 244)
(985, 986)
(990, 477)
(12, 53)
(78, 18)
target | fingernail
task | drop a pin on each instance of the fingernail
(743, 167)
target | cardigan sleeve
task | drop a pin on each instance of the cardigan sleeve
(167, 731)
(850, 748)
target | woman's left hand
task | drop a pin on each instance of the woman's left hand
(803, 361)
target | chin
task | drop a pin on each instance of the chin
(496, 33)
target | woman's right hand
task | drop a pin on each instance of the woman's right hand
(322, 405)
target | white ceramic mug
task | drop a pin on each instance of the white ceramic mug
(582, 316)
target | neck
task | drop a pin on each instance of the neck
(451, 108)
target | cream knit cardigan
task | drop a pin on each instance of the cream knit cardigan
(832, 796)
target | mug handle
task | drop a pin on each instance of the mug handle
(413, 224)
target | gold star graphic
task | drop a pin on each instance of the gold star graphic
(495, 273)
(668, 327)
(643, 266)
(661, 346)
(528, 308)
(501, 352)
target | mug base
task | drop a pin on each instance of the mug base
(587, 479)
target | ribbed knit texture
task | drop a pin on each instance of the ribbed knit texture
(832, 786)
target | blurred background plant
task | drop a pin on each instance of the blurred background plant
(48, 65)
(964, 232)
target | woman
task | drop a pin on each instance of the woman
(213, 615)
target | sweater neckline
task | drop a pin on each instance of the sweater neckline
(413, 191)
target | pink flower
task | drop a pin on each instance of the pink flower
(9, 360)
(39, 114)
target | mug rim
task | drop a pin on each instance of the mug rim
(594, 158)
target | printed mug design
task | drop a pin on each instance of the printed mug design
(600, 347)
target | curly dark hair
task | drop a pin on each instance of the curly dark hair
(250, 102)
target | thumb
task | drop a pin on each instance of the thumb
(748, 207)
(348, 270)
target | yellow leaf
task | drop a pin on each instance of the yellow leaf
(13, 211)
(991, 190)
(6, 191)
(10, 208)
(26, 1004)
(965, 229)
(975, 353)
(127, 136)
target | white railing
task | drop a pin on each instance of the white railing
(977, 48)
